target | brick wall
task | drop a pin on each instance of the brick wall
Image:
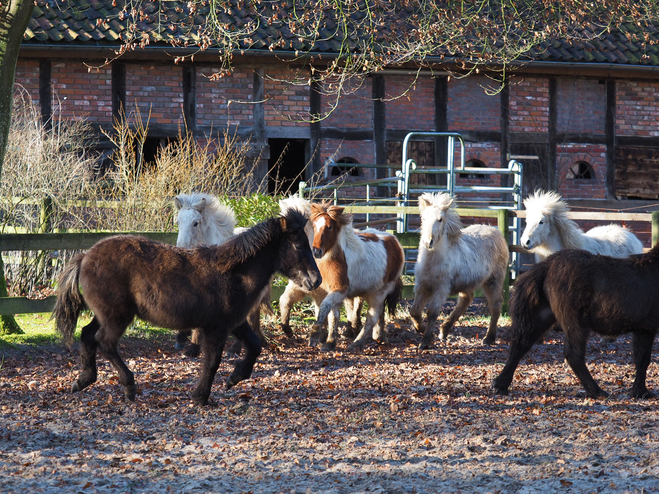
(410, 104)
(226, 100)
(286, 104)
(529, 105)
(156, 89)
(79, 93)
(470, 107)
(581, 106)
(637, 108)
(569, 154)
(27, 80)
(355, 110)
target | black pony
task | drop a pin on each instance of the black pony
(583, 292)
(211, 288)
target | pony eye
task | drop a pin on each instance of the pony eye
(542, 222)
(195, 224)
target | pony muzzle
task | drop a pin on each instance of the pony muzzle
(313, 280)
(318, 252)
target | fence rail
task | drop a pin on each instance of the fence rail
(409, 240)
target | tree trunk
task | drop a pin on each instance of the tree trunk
(14, 18)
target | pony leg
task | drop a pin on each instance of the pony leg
(353, 308)
(213, 343)
(182, 338)
(642, 342)
(108, 338)
(519, 347)
(332, 324)
(494, 296)
(87, 356)
(332, 300)
(416, 311)
(194, 349)
(375, 308)
(252, 344)
(254, 321)
(576, 338)
(464, 301)
(292, 295)
(434, 309)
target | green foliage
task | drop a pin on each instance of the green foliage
(253, 209)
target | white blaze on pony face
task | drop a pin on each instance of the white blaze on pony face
(322, 226)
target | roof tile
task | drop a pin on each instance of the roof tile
(74, 22)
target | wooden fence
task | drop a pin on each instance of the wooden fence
(81, 241)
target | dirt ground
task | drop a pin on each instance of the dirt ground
(388, 420)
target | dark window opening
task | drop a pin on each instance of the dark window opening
(580, 170)
(338, 170)
(473, 164)
(286, 165)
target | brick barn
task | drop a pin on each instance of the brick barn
(588, 112)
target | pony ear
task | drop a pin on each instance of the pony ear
(423, 203)
(335, 211)
(201, 205)
(178, 203)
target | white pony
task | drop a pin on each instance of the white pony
(454, 260)
(548, 230)
(203, 220)
(294, 293)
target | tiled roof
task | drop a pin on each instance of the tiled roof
(103, 22)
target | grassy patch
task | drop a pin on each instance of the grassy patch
(40, 330)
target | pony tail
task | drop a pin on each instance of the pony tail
(69, 301)
(394, 297)
(527, 299)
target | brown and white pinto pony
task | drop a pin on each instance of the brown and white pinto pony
(295, 293)
(365, 264)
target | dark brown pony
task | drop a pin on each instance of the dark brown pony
(211, 288)
(584, 292)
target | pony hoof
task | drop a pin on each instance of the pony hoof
(130, 392)
(642, 394)
(356, 347)
(193, 352)
(199, 398)
(328, 347)
(75, 387)
(500, 391)
(489, 340)
(233, 379)
(287, 330)
(179, 346)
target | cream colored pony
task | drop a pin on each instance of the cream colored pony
(548, 230)
(455, 260)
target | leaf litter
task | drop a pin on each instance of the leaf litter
(389, 419)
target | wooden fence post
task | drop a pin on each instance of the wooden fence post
(655, 227)
(45, 214)
(502, 223)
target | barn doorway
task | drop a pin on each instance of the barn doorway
(286, 166)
